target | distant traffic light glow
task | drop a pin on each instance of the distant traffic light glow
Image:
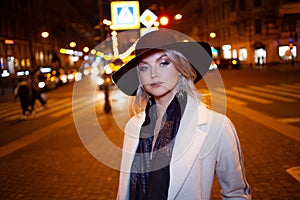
(164, 20)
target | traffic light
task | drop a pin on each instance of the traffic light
(164, 21)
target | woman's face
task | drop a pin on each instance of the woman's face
(158, 75)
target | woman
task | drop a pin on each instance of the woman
(174, 145)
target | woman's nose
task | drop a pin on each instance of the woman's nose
(154, 71)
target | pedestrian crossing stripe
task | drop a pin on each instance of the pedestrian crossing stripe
(256, 91)
(219, 98)
(264, 94)
(11, 110)
(294, 86)
(282, 88)
(245, 96)
(80, 103)
(239, 95)
(276, 91)
(290, 120)
(229, 99)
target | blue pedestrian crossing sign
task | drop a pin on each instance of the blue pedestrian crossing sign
(125, 15)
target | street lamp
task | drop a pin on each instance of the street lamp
(72, 44)
(86, 49)
(45, 34)
(106, 22)
(178, 17)
(212, 35)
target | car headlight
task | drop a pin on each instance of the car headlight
(100, 81)
(41, 85)
(63, 78)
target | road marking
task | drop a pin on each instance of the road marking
(15, 114)
(283, 89)
(57, 108)
(267, 121)
(294, 86)
(10, 113)
(40, 113)
(68, 110)
(245, 96)
(220, 97)
(8, 105)
(294, 172)
(30, 138)
(59, 105)
(277, 92)
(270, 96)
(290, 120)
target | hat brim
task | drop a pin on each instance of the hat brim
(198, 53)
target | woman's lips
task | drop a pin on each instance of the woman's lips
(155, 85)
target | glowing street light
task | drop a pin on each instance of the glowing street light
(178, 17)
(86, 49)
(212, 35)
(45, 34)
(106, 22)
(72, 44)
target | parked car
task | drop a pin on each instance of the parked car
(227, 63)
(47, 80)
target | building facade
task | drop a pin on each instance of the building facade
(21, 45)
(257, 32)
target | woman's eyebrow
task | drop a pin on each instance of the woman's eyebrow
(160, 57)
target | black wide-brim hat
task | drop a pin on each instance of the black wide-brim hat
(198, 54)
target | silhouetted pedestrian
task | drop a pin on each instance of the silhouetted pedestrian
(22, 92)
(36, 91)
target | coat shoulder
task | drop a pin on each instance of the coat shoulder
(217, 125)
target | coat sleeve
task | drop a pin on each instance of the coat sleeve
(230, 165)
(16, 91)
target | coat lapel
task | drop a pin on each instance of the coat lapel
(131, 141)
(188, 143)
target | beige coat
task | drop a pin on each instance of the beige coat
(206, 144)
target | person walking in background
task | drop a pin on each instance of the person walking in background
(22, 92)
(174, 145)
(36, 91)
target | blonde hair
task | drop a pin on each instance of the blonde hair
(188, 74)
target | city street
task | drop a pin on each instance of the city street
(71, 149)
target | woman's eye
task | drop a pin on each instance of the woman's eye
(143, 68)
(164, 63)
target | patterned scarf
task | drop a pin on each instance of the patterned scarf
(150, 172)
